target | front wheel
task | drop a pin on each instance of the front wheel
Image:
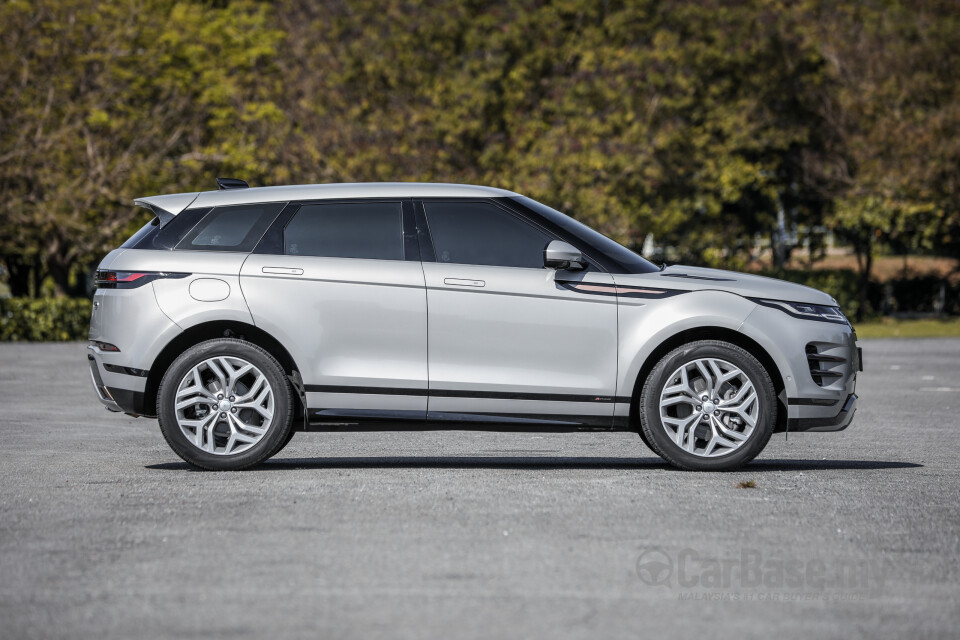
(708, 406)
(225, 404)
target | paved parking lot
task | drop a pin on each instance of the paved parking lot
(104, 533)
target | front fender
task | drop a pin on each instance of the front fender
(645, 324)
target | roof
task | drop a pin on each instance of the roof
(173, 204)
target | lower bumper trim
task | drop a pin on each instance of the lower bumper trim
(130, 402)
(838, 422)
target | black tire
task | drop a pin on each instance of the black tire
(283, 445)
(276, 436)
(646, 440)
(653, 428)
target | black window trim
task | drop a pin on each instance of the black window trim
(526, 216)
(272, 241)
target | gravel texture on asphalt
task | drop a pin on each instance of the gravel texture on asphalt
(105, 533)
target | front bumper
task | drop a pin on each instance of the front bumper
(818, 363)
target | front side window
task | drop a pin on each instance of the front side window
(370, 230)
(483, 233)
(623, 260)
(235, 228)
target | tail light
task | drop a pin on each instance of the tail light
(131, 279)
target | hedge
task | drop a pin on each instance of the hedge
(44, 319)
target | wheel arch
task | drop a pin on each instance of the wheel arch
(208, 331)
(711, 333)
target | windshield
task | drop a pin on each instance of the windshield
(627, 261)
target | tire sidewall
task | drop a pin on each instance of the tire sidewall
(659, 377)
(268, 444)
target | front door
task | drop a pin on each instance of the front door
(510, 340)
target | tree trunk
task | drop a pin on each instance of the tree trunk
(61, 281)
(18, 280)
(865, 267)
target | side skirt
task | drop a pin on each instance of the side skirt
(384, 420)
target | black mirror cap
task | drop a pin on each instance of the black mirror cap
(223, 184)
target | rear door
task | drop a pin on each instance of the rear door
(510, 340)
(341, 286)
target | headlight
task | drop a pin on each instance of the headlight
(805, 310)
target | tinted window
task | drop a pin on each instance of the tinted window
(371, 230)
(624, 260)
(145, 231)
(236, 228)
(482, 233)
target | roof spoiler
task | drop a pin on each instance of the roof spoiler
(166, 207)
(223, 184)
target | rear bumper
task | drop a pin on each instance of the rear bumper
(119, 389)
(103, 394)
(838, 422)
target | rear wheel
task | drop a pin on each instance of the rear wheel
(708, 405)
(225, 404)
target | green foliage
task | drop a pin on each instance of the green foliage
(101, 102)
(895, 114)
(697, 121)
(44, 319)
(688, 120)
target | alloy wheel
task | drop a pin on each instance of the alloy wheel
(709, 407)
(224, 405)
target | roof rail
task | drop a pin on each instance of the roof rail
(224, 184)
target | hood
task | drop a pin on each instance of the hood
(750, 286)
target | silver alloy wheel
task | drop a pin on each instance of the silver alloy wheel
(709, 407)
(224, 405)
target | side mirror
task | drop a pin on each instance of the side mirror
(562, 255)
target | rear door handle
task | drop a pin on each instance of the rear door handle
(287, 271)
(461, 282)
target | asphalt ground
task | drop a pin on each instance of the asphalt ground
(105, 533)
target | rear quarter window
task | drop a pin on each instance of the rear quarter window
(235, 228)
(145, 232)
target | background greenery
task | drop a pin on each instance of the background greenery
(44, 319)
(697, 121)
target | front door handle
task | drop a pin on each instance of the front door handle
(286, 271)
(461, 282)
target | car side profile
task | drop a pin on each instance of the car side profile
(240, 316)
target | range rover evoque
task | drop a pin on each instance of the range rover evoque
(240, 316)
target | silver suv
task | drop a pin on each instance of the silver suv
(240, 316)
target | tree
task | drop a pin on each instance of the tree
(697, 121)
(690, 120)
(103, 102)
(895, 110)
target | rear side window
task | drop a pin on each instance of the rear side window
(236, 228)
(145, 232)
(371, 230)
(483, 233)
